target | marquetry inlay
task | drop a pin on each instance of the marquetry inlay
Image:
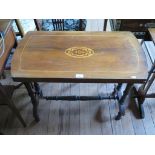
(79, 52)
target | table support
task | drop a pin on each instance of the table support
(117, 94)
(34, 100)
(116, 89)
(79, 98)
(141, 108)
(38, 89)
(140, 94)
(121, 98)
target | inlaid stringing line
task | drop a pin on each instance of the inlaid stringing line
(135, 52)
(110, 35)
(86, 52)
(19, 67)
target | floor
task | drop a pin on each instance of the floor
(78, 117)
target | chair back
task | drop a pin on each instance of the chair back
(58, 24)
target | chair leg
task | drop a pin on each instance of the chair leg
(121, 99)
(18, 86)
(139, 94)
(17, 113)
(11, 105)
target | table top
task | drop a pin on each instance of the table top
(79, 57)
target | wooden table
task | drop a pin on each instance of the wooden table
(10, 41)
(80, 57)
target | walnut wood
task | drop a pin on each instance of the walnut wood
(10, 40)
(117, 56)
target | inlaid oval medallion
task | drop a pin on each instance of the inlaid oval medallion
(79, 52)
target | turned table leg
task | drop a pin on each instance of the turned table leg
(140, 95)
(116, 89)
(38, 89)
(121, 98)
(34, 100)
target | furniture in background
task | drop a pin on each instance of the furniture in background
(60, 24)
(80, 57)
(9, 42)
(141, 92)
(138, 26)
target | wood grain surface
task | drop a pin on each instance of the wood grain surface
(41, 56)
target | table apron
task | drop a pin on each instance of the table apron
(57, 80)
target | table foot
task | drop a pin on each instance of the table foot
(119, 116)
(141, 110)
(121, 98)
(140, 95)
(141, 99)
(121, 112)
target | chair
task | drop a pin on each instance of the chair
(60, 24)
(6, 93)
(8, 41)
(141, 92)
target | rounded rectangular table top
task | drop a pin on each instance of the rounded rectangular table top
(79, 56)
